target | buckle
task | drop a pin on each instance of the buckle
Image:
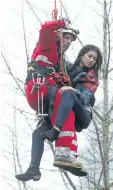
(38, 78)
(52, 68)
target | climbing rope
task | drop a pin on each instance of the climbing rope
(54, 18)
(60, 78)
(55, 12)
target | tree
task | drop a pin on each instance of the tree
(100, 138)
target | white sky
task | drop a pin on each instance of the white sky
(85, 17)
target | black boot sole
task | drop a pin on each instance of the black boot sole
(77, 172)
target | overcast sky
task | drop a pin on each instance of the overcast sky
(86, 17)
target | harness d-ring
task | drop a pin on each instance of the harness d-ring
(40, 80)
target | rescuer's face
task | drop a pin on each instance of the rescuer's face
(67, 39)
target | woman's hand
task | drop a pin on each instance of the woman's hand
(66, 88)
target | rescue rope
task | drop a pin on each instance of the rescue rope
(61, 41)
(54, 17)
(61, 77)
(55, 12)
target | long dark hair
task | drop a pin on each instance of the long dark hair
(87, 48)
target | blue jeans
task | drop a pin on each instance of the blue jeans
(70, 101)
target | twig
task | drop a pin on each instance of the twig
(33, 11)
(12, 73)
(25, 42)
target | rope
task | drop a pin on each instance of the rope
(54, 12)
(61, 41)
(54, 17)
(60, 78)
(61, 50)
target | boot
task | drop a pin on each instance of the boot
(66, 163)
(51, 135)
(31, 173)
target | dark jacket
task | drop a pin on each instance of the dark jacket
(85, 81)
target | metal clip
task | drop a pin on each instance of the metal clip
(40, 80)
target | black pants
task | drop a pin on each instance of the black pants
(38, 142)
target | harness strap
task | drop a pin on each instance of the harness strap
(33, 67)
(60, 77)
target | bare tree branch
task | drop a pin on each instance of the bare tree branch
(93, 9)
(109, 42)
(109, 8)
(110, 70)
(15, 149)
(25, 42)
(33, 12)
(6, 62)
(98, 114)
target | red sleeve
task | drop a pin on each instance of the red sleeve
(47, 35)
(54, 25)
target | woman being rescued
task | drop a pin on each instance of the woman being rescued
(75, 105)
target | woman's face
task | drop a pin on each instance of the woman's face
(89, 59)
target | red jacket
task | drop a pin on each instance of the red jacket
(46, 52)
(90, 81)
